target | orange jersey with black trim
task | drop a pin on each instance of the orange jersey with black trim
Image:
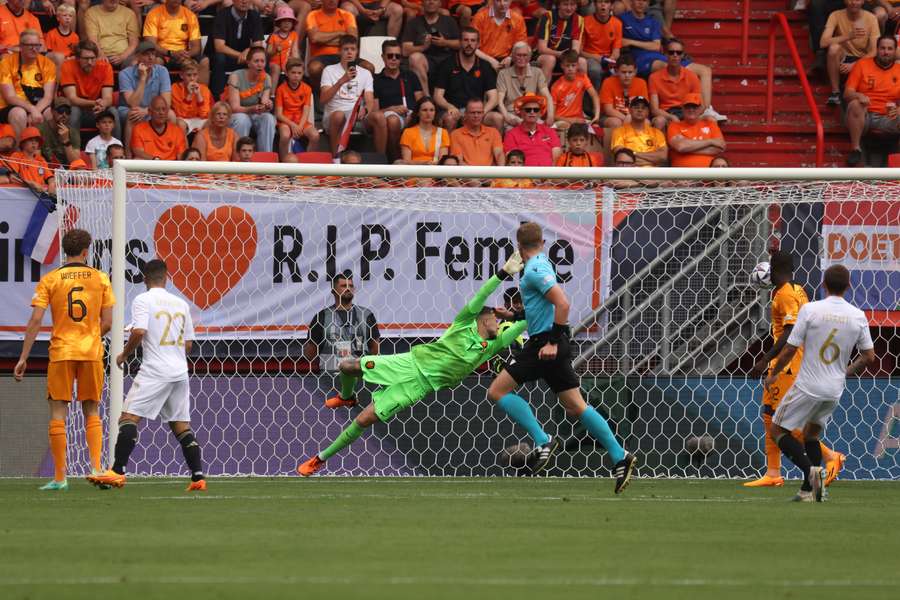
(75, 294)
(281, 48)
(293, 101)
(786, 303)
(61, 44)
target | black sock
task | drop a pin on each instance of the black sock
(125, 443)
(191, 450)
(814, 452)
(794, 451)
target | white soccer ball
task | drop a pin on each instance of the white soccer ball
(761, 275)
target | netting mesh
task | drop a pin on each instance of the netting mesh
(668, 325)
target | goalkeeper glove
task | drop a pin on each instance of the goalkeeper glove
(514, 264)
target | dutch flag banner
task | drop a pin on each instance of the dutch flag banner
(41, 238)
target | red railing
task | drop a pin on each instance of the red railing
(779, 19)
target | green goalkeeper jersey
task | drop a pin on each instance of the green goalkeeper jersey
(448, 360)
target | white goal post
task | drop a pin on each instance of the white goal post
(631, 329)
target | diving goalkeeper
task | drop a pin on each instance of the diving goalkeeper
(406, 378)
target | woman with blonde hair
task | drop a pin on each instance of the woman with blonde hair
(216, 140)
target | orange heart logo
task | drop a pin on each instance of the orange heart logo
(206, 256)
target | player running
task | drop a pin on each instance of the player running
(406, 378)
(828, 330)
(787, 299)
(161, 324)
(547, 356)
(80, 299)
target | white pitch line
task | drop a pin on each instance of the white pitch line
(461, 580)
(504, 497)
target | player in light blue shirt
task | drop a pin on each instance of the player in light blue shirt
(547, 355)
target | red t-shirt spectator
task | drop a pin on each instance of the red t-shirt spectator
(538, 147)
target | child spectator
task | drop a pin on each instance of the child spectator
(98, 145)
(282, 44)
(30, 166)
(191, 154)
(191, 100)
(568, 93)
(514, 158)
(577, 154)
(61, 41)
(244, 149)
(293, 110)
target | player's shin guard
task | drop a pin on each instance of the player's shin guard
(125, 443)
(814, 452)
(600, 431)
(519, 411)
(191, 450)
(347, 437)
(57, 432)
(348, 386)
(794, 451)
(93, 433)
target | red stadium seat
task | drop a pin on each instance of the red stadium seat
(322, 158)
(265, 157)
(894, 160)
(87, 159)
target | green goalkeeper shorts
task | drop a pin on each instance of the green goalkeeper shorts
(401, 383)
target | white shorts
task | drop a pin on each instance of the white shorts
(797, 409)
(167, 400)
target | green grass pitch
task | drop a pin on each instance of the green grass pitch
(448, 538)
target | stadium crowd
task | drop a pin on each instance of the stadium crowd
(570, 83)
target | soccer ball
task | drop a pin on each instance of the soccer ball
(514, 456)
(761, 276)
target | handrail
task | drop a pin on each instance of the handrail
(781, 19)
(745, 34)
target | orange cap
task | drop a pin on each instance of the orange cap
(29, 133)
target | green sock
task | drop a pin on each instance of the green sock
(348, 386)
(347, 437)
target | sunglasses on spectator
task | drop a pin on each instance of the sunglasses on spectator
(676, 52)
(392, 56)
(531, 109)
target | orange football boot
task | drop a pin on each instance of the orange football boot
(311, 466)
(108, 478)
(197, 486)
(336, 402)
(766, 481)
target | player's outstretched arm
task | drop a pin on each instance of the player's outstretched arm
(510, 334)
(512, 266)
(31, 332)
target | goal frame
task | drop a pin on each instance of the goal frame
(122, 168)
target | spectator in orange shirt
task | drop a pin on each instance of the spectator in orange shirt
(568, 94)
(30, 166)
(191, 100)
(872, 93)
(577, 155)
(499, 29)
(602, 41)
(216, 141)
(14, 20)
(325, 28)
(158, 138)
(850, 34)
(422, 142)
(475, 143)
(27, 84)
(694, 142)
(282, 44)
(615, 94)
(368, 14)
(62, 41)
(293, 110)
(175, 31)
(87, 81)
(514, 158)
(670, 86)
(558, 31)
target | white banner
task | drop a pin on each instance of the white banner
(253, 266)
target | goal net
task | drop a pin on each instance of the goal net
(667, 324)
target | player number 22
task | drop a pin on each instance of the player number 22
(829, 348)
(166, 340)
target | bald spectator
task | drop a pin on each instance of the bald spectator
(176, 32)
(235, 31)
(115, 30)
(537, 141)
(158, 138)
(475, 143)
(693, 141)
(139, 84)
(647, 142)
(499, 28)
(14, 19)
(463, 77)
(850, 34)
(518, 79)
(325, 27)
(670, 86)
(27, 84)
(428, 40)
(559, 31)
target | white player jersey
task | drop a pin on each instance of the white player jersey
(166, 318)
(827, 330)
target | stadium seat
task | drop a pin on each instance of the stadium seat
(265, 157)
(370, 50)
(894, 160)
(322, 158)
(87, 159)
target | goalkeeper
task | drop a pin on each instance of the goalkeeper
(406, 378)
